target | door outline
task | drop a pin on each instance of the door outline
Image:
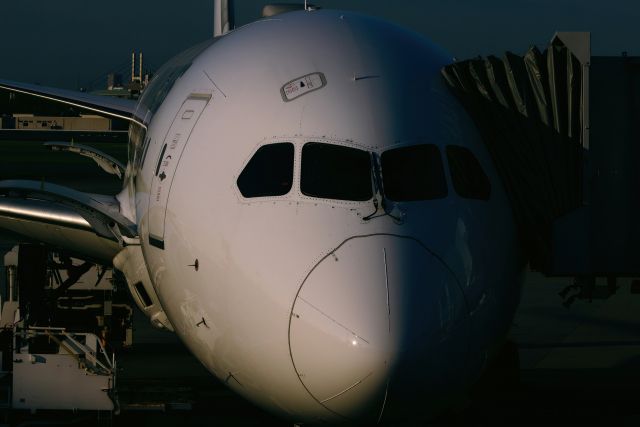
(173, 146)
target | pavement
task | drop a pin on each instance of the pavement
(578, 365)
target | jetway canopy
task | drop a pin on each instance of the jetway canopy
(562, 130)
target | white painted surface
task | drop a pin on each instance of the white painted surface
(55, 381)
(426, 299)
(455, 289)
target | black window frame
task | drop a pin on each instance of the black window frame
(473, 186)
(246, 183)
(332, 192)
(396, 188)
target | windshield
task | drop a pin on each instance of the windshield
(269, 172)
(332, 171)
(469, 179)
(413, 173)
(338, 172)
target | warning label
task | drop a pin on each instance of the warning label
(302, 85)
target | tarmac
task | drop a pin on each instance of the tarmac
(578, 365)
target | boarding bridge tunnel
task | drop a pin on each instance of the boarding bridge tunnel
(562, 127)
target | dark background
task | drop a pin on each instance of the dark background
(74, 43)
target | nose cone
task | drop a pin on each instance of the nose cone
(373, 304)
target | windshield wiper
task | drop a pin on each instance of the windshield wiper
(377, 187)
(379, 198)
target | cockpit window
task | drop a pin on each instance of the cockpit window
(332, 171)
(468, 177)
(269, 172)
(413, 173)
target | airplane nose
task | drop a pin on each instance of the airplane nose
(373, 313)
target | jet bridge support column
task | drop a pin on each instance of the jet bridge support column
(4, 286)
(32, 277)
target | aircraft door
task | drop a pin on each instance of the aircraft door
(174, 143)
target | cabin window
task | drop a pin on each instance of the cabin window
(413, 173)
(468, 178)
(269, 172)
(332, 171)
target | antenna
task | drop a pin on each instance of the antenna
(223, 17)
(305, 5)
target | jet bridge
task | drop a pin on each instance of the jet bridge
(561, 127)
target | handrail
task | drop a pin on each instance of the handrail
(70, 342)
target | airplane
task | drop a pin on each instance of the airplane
(309, 208)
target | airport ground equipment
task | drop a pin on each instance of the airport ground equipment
(55, 369)
(61, 325)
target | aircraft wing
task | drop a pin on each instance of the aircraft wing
(108, 163)
(89, 225)
(106, 105)
(83, 223)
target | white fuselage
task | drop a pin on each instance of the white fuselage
(299, 303)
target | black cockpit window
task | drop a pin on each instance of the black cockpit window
(332, 171)
(413, 173)
(269, 172)
(468, 177)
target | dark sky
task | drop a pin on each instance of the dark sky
(67, 43)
